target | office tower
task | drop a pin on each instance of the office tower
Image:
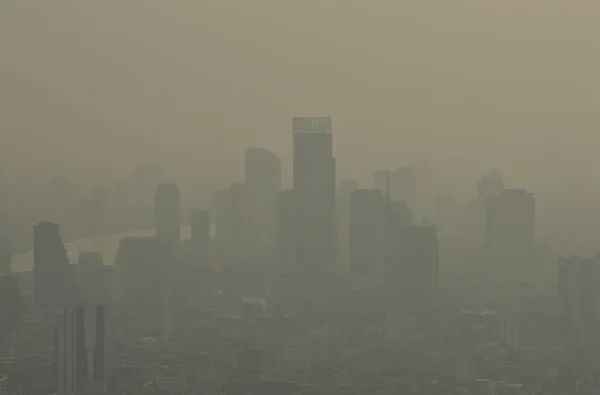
(81, 350)
(166, 213)
(579, 299)
(147, 178)
(94, 279)
(142, 265)
(342, 206)
(286, 230)
(263, 182)
(3, 385)
(412, 265)
(53, 277)
(232, 222)
(510, 228)
(314, 189)
(10, 306)
(5, 255)
(490, 184)
(367, 223)
(402, 185)
(402, 214)
(201, 241)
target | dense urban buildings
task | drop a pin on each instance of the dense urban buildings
(510, 229)
(167, 212)
(54, 285)
(81, 350)
(314, 189)
(263, 183)
(200, 238)
(143, 287)
(11, 309)
(367, 225)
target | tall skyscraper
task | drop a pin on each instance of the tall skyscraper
(412, 265)
(166, 213)
(578, 295)
(342, 207)
(10, 306)
(5, 254)
(402, 185)
(142, 265)
(263, 182)
(201, 240)
(510, 228)
(314, 189)
(286, 230)
(94, 279)
(81, 350)
(232, 222)
(53, 277)
(367, 225)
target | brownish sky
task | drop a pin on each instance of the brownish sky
(93, 86)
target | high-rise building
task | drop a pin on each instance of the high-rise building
(10, 306)
(510, 228)
(142, 265)
(81, 350)
(232, 222)
(412, 264)
(578, 295)
(314, 189)
(342, 207)
(367, 224)
(5, 254)
(286, 230)
(201, 241)
(402, 185)
(94, 279)
(263, 182)
(53, 276)
(490, 184)
(166, 213)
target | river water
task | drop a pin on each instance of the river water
(107, 245)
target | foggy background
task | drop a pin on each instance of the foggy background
(90, 89)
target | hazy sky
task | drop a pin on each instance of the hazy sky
(92, 86)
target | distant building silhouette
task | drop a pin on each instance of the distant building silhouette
(402, 185)
(490, 184)
(167, 212)
(510, 228)
(201, 241)
(5, 253)
(578, 296)
(232, 229)
(412, 265)
(314, 188)
(263, 183)
(286, 230)
(142, 267)
(367, 225)
(94, 279)
(343, 214)
(81, 350)
(53, 276)
(11, 311)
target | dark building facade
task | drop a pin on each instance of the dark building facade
(11, 312)
(81, 350)
(367, 224)
(166, 213)
(53, 276)
(315, 190)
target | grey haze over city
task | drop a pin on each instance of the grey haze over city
(299, 197)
